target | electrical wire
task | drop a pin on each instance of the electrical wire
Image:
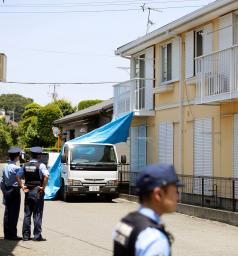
(96, 11)
(99, 3)
(90, 4)
(61, 83)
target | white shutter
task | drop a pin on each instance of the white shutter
(166, 143)
(235, 152)
(175, 59)
(203, 153)
(142, 147)
(225, 34)
(134, 148)
(138, 148)
(189, 54)
(162, 142)
(149, 76)
(207, 39)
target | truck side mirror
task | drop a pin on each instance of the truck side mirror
(123, 159)
(63, 159)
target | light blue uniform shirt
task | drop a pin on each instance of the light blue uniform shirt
(151, 241)
(9, 174)
(42, 170)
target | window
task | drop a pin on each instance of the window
(71, 134)
(66, 152)
(86, 154)
(140, 66)
(235, 28)
(167, 62)
(140, 83)
(198, 43)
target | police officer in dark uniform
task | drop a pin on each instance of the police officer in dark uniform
(36, 175)
(141, 233)
(11, 195)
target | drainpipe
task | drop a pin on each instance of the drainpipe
(181, 110)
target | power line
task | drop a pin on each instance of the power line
(89, 4)
(96, 11)
(61, 83)
(68, 53)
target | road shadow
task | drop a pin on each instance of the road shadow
(7, 247)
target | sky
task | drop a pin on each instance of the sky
(62, 41)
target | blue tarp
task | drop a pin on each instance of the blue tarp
(114, 132)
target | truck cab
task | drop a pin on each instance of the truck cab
(89, 169)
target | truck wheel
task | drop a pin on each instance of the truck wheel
(109, 198)
(64, 194)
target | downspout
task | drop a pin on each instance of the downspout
(181, 110)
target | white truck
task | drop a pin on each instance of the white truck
(89, 168)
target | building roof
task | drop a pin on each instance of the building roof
(189, 21)
(95, 109)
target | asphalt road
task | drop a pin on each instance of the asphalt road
(84, 228)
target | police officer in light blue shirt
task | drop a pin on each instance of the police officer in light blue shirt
(141, 233)
(35, 175)
(11, 195)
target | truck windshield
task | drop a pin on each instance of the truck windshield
(83, 154)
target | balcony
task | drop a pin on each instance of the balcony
(217, 76)
(135, 95)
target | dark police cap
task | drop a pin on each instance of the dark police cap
(36, 150)
(156, 175)
(14, 150)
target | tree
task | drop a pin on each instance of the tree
(87, 103)
(28, 130)
(31, 110)
(46, 116)
(14, 102)
(28, 126)
(5, 141)
(65, 107)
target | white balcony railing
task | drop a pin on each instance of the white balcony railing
(135, 95)
(217, 75)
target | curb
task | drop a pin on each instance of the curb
(200, 212)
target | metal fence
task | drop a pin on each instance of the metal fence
(212, 192)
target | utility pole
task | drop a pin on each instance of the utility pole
(54, 94)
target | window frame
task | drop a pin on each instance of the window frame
(166, 64)
(201, 31)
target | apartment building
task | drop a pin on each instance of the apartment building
(183, 91)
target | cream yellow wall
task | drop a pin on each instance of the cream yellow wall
(189, 88)
(227, 113)
(168, 115)
(167, 110)
(190, 114)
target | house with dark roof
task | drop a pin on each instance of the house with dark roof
(86, 120)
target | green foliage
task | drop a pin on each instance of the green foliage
(15, 102)
(32, 106)
(31, 110)
(46, 116)
(28, 126)
(87, 103)
(65, 107)
(28, 130)
(5, 141)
